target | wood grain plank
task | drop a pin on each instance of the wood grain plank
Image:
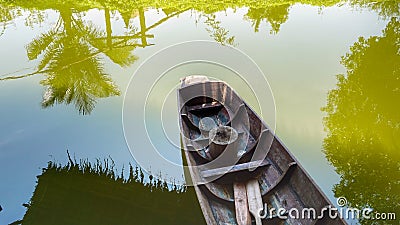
(236, 168)
(241, 206)
(254, 199)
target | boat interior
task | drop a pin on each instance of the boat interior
(214, 117)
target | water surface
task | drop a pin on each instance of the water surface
(66, 65)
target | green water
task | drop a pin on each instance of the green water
(333, 68)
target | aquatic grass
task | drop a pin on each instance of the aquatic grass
(84, 192)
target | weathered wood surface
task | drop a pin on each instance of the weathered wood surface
(241, 205)
(254, 199)
(282, 179)
(235, 168)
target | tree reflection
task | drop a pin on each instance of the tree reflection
(73, 75)
(71, 54)
(217, 32)
(7, 14)
(275, 15)
(71, 62)
(386, 9)
(70, 58)
(363, 124)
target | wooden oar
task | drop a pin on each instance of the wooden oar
(254, 199)
(241, 206)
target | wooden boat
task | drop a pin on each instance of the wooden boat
(238, 166)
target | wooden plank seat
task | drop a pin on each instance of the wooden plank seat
(235, 168)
